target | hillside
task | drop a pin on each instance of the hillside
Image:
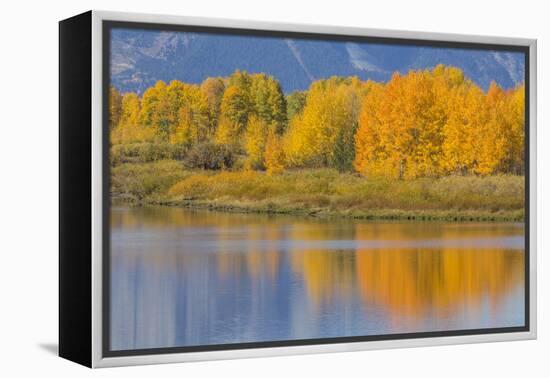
(140, 58)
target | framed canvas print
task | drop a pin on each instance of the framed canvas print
(236, 189)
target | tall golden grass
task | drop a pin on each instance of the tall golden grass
(322, 192)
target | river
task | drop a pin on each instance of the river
(186, 278)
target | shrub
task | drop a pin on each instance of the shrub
(145, 152)
(211, 156)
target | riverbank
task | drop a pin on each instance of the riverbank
(322, 193)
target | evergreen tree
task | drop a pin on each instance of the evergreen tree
(295, 103)
(344, 149)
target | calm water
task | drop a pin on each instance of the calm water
(183, 278)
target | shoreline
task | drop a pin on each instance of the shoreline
(322, 193)
(324, 212)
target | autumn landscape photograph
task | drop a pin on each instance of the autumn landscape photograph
(274, 188)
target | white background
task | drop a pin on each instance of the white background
(29, 174)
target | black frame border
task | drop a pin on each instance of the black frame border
(107, 26)
(75, 189)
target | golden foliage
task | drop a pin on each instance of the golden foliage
(451, 277)
(426, 123)
(431, 123)
(331, 105)
(213, 89)
(255, 142)
(235, 106)
(228, 132)
(115, 107)
(129, 128)
(192, 121)
(274, 154)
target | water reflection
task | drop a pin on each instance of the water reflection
(181, 278)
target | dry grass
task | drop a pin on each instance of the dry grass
(322, 192)
(327, 192)
(144, 181)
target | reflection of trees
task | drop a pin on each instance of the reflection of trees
(409, 281)
(433, 230)
(328, 274)
(414, 281)
(261, 257)
(176, 217)
(166, 217)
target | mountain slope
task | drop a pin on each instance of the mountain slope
(139, 58)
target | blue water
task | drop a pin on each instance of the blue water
(184, 278)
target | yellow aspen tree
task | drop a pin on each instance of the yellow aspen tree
(492, 135)
(213, 88)
(155, 109)
(115, 107)
(516, 113)
(274, 156)
(467, 116)
(255, 142)
(185, 133)
(401, 125)
(228, 132)
(197, 104)
(330, 106)
(384, 133)
(511, 118)
(130, 129)
(370, 156)
(176, 95)
(234, 111)
(187, 113)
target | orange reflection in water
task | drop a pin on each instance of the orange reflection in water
(408, 280)
(327, 274)
(260, 257)
(414, 281)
